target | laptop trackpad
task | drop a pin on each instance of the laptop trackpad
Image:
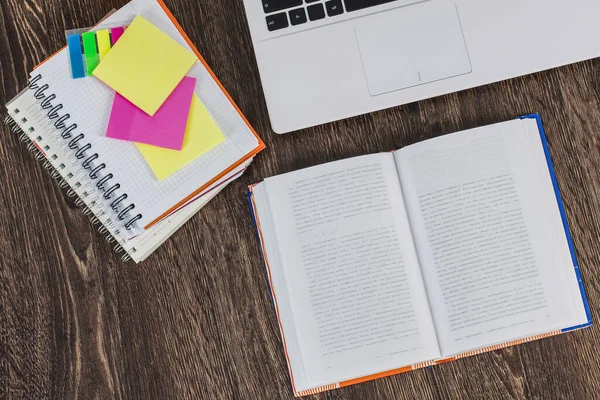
(412, 46)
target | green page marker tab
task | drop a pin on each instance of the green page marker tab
(103, 43)
(90, 51)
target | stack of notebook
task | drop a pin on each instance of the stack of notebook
(143, 150)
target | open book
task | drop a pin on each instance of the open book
(388, 262)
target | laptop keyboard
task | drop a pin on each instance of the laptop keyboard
(283, 13)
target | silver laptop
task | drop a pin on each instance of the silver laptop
(325, 60)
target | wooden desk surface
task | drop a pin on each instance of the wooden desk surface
(196, 319)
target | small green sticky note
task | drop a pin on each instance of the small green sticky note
(90, 51)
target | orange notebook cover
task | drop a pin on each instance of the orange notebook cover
(299, 393)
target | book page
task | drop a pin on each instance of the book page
(490, 237)
(353, 280)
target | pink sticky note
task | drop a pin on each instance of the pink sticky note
(167, 127)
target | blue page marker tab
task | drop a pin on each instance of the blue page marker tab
(76, 56)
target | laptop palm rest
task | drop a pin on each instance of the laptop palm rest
(411, 46)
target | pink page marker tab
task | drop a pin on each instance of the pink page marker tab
(115, 34)
(167, 127)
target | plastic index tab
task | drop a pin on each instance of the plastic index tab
(103, 43)
(76, 56)
(90, 50)
(116, 33)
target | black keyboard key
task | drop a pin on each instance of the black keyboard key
(334, 7)
(353, 5)
(297, 16)
(277, 21)
(311, 1)
(270, 6)
(316, 12)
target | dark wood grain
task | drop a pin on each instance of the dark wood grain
(196, 320)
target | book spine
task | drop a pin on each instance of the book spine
(90, 208)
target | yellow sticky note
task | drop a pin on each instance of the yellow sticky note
(145, 65)
(103, 39)
(201, 135)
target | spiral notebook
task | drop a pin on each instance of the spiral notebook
(65, 121)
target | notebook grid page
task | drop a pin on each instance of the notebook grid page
(89, 102)
(122, 158)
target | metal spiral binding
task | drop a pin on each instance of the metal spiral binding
(83, 151)
(54, 173)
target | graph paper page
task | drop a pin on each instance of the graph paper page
(89, 102)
